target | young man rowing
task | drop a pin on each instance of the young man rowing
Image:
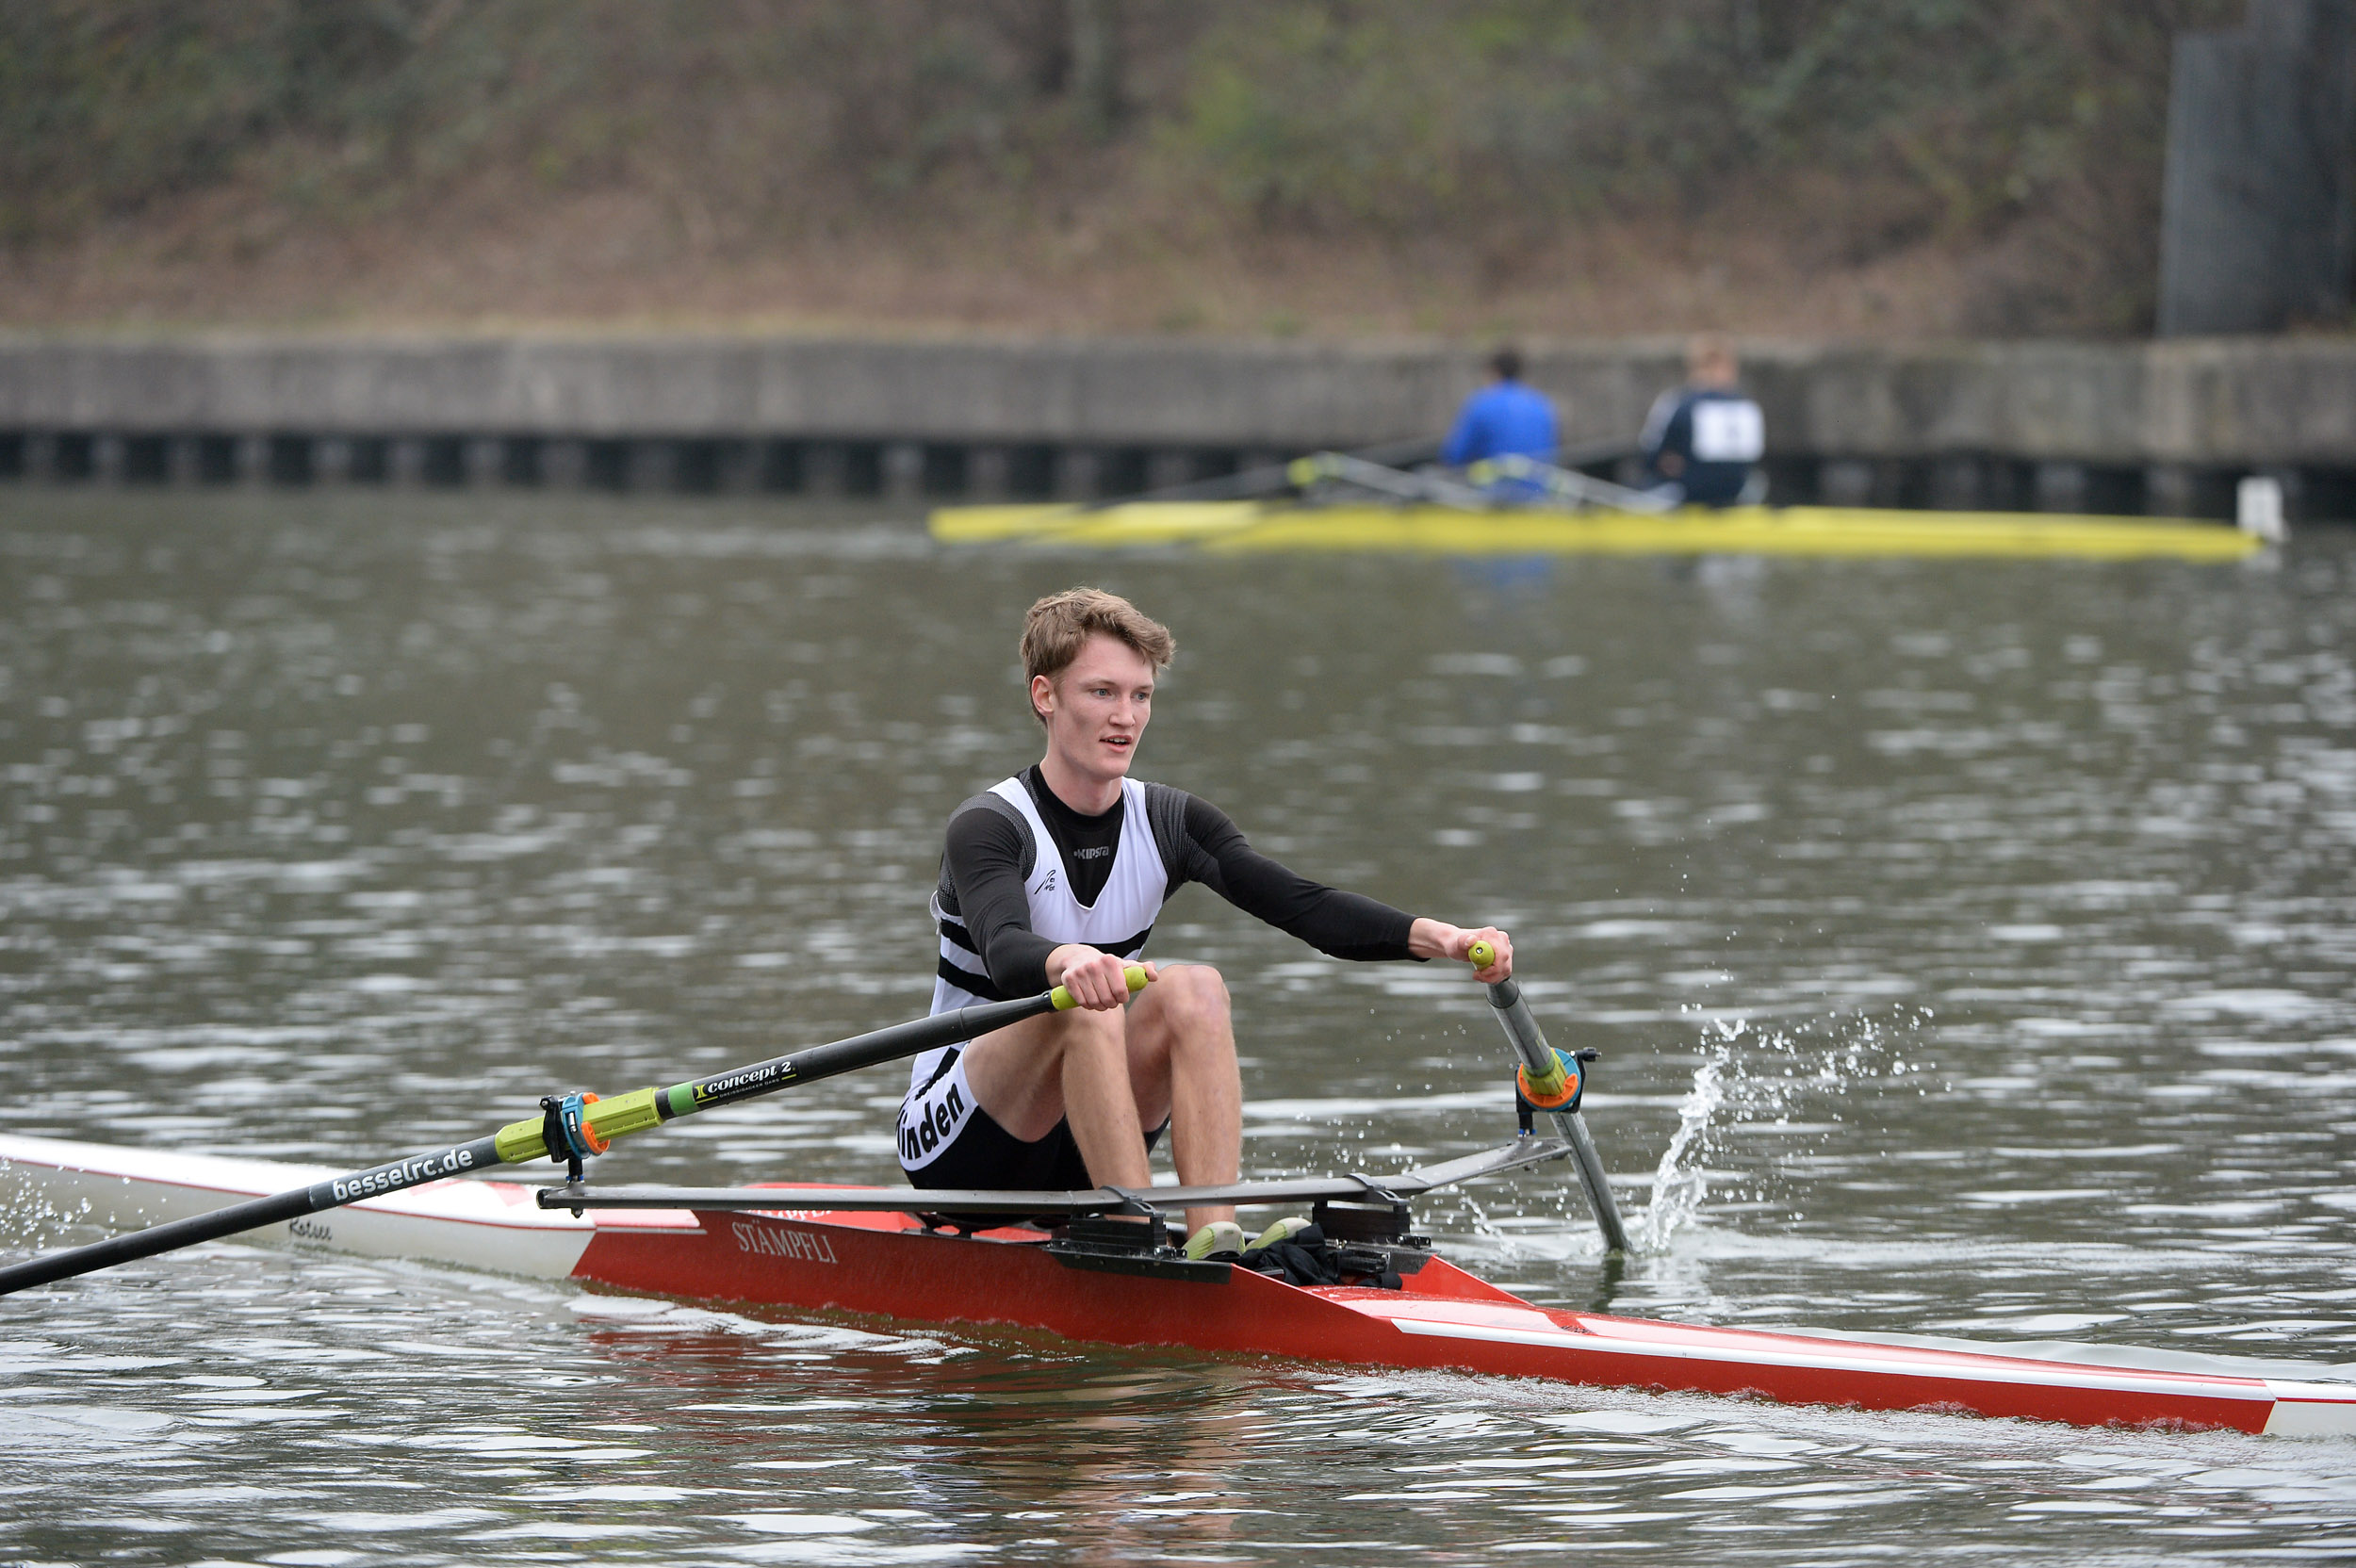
(1055, 877)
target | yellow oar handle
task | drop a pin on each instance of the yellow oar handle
(1065, 1000)
(1481, 955)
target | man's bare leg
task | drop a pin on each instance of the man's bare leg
(1182, 1064)
(1031, 1075)
(1170, 1055)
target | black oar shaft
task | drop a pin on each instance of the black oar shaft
(522, 1141)
(254, 1212)
(849, 1055)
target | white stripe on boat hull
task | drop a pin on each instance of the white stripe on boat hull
(2310, 1410)
(2000, 1370)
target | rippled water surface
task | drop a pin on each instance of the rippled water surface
(1969, 946)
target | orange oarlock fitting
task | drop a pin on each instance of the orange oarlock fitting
(588, 1133)
(1561, 1094)
(565, 1132)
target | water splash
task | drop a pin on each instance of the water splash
(1750, 1076)
(1678, 1189)
(31, 1221)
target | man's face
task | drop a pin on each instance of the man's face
(1097, 707)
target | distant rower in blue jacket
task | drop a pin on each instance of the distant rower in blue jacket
(1703, 440)
(1504, 417)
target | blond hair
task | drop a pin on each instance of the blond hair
(1059, 626)
(1710, 351)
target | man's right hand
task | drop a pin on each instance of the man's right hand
(1096, 979)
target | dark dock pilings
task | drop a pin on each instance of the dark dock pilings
(2164, 428)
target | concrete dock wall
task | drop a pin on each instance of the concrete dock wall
(2163, 426)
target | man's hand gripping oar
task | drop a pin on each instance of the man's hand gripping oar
(1549, 1080)
(570, 1129)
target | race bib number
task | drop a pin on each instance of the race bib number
(1728, 430)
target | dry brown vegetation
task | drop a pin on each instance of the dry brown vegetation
(1887, 168)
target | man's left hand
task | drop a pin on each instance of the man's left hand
(1432, 939)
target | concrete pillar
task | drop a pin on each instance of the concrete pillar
(2169, 490)
(1168, 470)
(989, 473)
(331, 459)
(483, 461)
(902, 471)
(1845, 481)
(1076, 473)
(2258, 209)
(184, 460)
(40, 457)
(405, 463)
(2060, 487)
(826, 470)
(110, 458)
(652, 465)
(564, 464)
(251, 461)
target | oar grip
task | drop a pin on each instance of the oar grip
(1133, 973)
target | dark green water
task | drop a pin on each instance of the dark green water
(1969, 946)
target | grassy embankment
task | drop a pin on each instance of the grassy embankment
(1893, 168)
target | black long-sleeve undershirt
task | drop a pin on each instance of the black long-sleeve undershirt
(983, 882)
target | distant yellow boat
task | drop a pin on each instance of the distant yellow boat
(1422, 529)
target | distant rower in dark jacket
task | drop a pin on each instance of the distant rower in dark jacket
(1703, 441)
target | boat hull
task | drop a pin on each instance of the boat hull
(888, 1264)
(1231, 526)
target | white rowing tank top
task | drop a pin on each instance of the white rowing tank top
(1119, 921)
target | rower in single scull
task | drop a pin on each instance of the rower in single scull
(1507, 418)
(1055, 877)
(1702, 441)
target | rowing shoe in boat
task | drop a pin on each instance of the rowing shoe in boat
(1072, 1268)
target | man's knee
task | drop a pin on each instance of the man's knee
(1090, 1029)
(1193, 998)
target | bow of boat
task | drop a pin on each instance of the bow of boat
(477, 1224)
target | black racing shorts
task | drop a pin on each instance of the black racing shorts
(947, 1140)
